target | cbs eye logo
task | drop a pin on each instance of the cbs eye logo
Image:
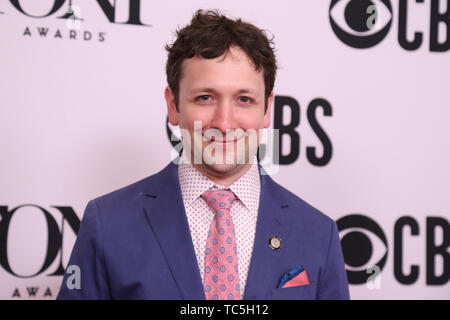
(362, 240)
(360, 23)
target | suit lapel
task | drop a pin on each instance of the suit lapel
(164, 209)
(272, 221)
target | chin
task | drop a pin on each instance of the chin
(226, 168)
(223, 168)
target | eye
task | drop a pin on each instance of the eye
(360, 23)
(204, 98)
(245, 100)
(363, 244)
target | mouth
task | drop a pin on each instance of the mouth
(214, 139)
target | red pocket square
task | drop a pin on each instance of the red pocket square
(300, 280)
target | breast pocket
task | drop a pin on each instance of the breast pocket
(306, 292)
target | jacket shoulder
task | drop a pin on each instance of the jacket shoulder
(301, 209)
(128, 196)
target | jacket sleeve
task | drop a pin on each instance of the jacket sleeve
(85, 276)
(333, 284)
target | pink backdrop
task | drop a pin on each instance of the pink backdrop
(82, 116)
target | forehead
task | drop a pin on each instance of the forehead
(233, 70)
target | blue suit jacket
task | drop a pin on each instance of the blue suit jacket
(134, 243)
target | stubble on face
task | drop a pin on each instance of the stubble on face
(231, 79)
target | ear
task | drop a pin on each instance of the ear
(267, 116)
(171, 108)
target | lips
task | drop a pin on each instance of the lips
(213, 139)
(216, 140)
(222, 144)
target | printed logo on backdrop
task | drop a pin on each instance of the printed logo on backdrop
(360, 236)
(365, 248)
(18, 221)
(364, 24)
(283, 145)
(71, 14)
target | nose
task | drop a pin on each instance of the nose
(224, 117)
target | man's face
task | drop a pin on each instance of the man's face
(226, 95)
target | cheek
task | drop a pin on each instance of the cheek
(251, 121)
(191, 114)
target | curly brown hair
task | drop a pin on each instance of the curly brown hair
(209, 35)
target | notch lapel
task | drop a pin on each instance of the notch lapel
(272, 221)
(164, 208)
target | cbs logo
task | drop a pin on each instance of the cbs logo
(365, 23)
(358, 234)
(358, 23)
(364, 245)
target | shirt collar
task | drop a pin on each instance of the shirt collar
(193, 183)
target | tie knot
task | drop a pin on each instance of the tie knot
(219, 199)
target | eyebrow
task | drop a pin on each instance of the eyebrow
(211, 90)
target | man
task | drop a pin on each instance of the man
(214, 225)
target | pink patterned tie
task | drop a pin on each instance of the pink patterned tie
(221, 277)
